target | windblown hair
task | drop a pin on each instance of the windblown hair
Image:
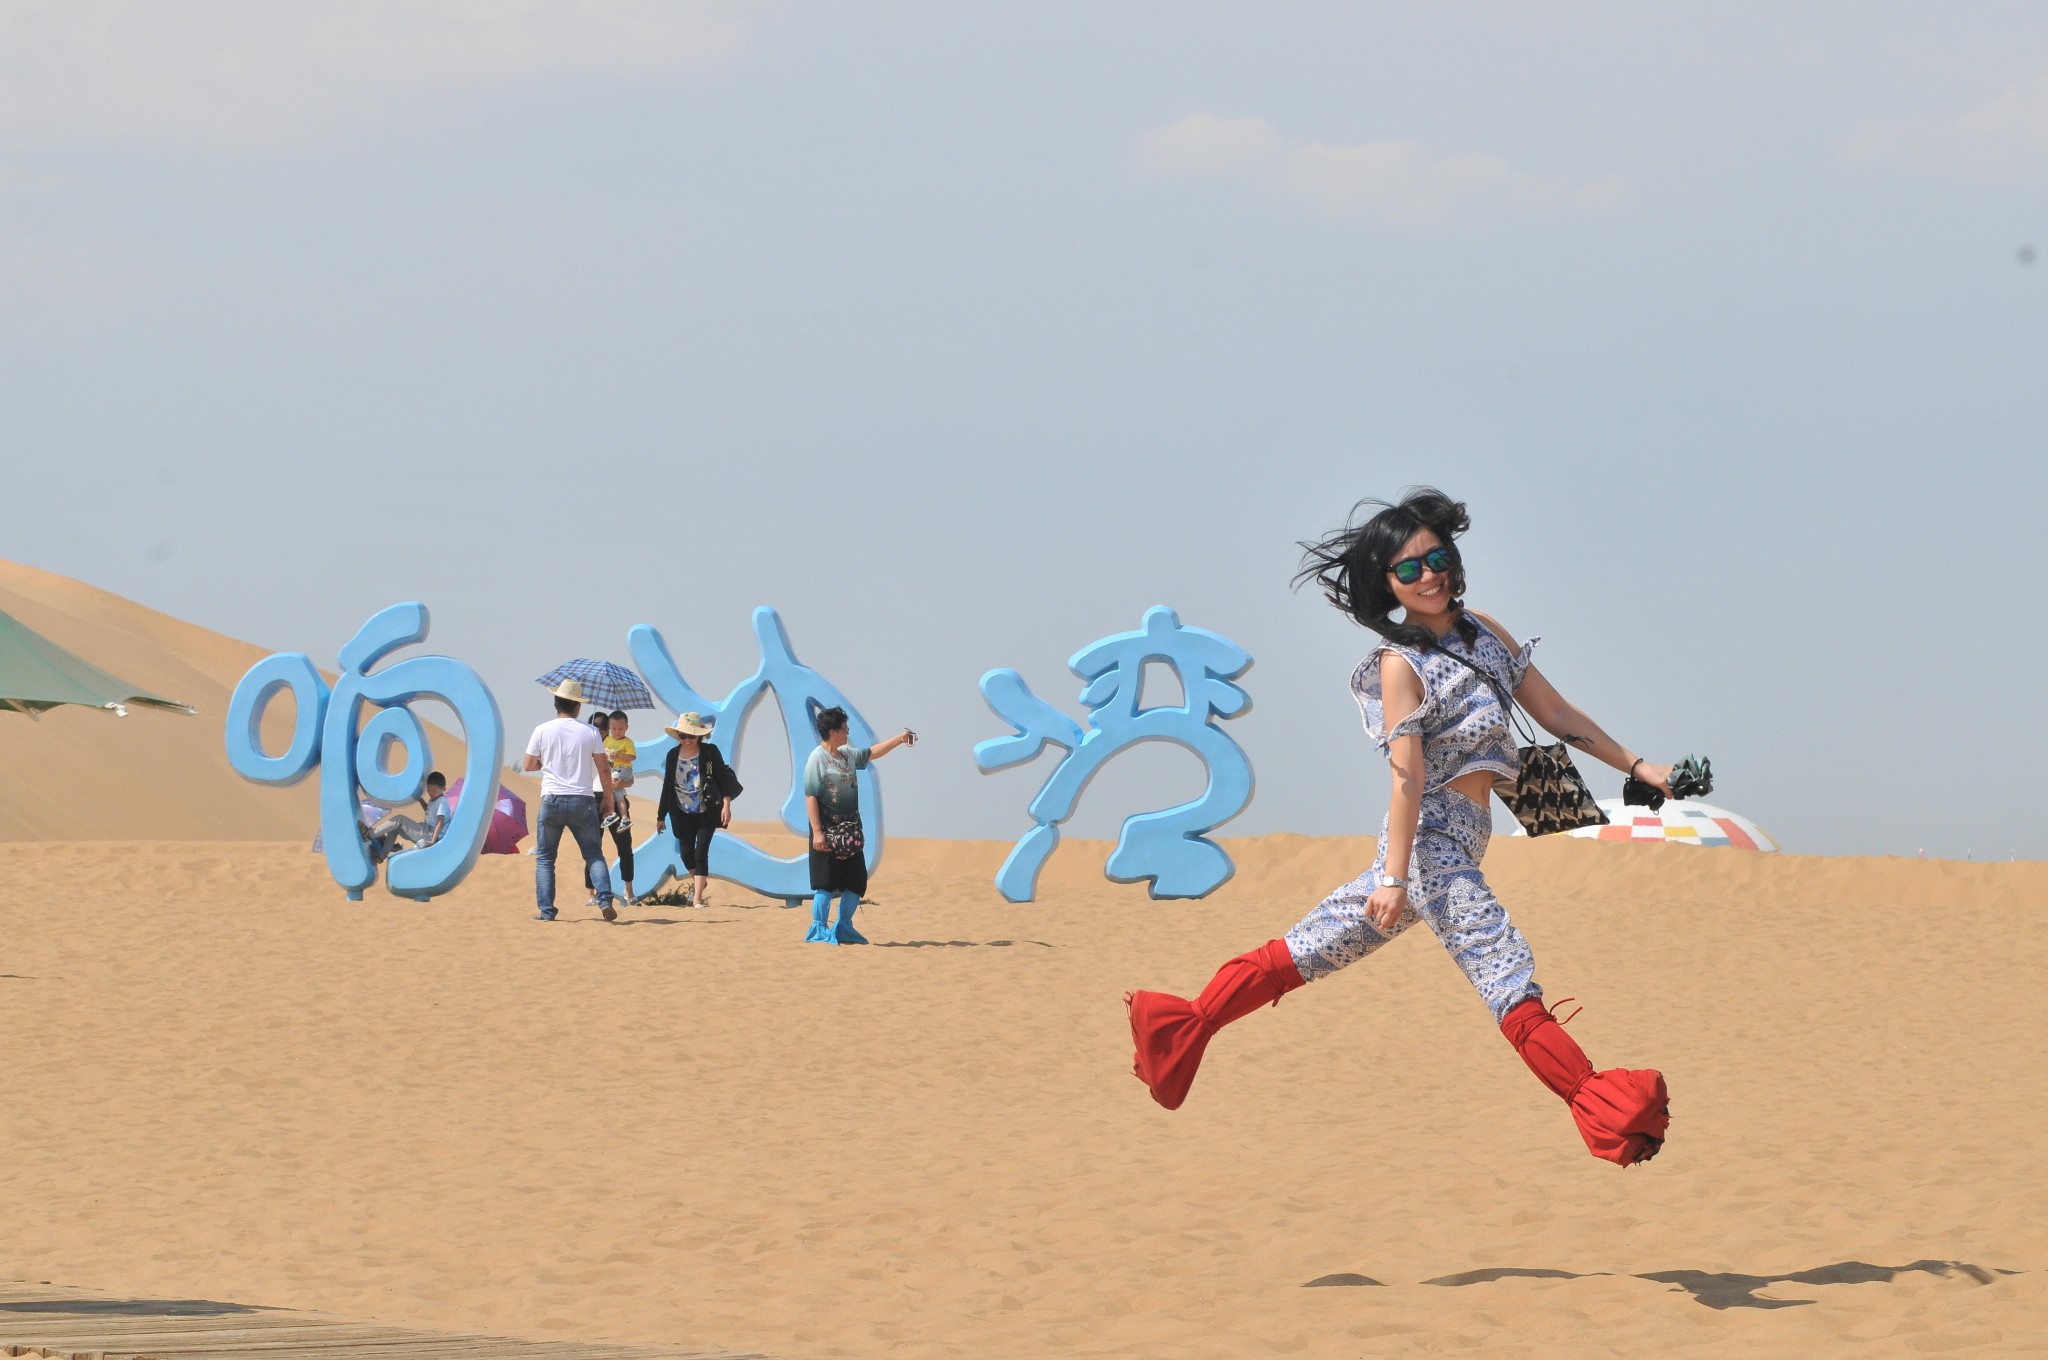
(830, 720)
(1350, 564)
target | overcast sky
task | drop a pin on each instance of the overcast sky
(963, 333)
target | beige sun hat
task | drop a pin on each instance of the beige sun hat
(570, 689)
(690, 725)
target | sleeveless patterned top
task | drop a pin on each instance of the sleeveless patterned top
(1460, 720)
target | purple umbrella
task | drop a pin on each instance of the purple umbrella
(508, 819)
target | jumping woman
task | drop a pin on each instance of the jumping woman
(1429, 697)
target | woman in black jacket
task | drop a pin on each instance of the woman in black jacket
(697, 789)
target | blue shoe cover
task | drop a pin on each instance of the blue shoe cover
(821, 914)
(845, 933)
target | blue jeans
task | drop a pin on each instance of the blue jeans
(577, 812)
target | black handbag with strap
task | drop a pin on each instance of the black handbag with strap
(722, 775)
(1549, 795)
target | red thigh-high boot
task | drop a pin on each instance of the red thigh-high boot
(1170, 1031)
(1621, 1113)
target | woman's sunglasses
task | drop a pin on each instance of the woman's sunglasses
(1409, 569)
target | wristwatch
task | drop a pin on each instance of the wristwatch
(1391, 882)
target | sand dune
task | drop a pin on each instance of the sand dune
(84, 774)
(227, 1083)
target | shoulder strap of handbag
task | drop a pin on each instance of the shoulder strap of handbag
(1507, 700)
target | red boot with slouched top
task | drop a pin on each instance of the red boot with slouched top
(1621, 1113)
(1171, 1032)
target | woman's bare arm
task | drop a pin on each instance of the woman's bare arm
(1569, 723)
(888, 744)
(1400, 696)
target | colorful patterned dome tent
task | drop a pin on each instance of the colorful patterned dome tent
(1680, 821)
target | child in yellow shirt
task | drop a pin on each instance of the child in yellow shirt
(619, 749)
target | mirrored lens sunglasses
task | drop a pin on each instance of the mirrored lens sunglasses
(1409, 569)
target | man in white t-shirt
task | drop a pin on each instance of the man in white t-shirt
(566, 751)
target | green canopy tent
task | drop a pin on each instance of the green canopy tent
(35, 674)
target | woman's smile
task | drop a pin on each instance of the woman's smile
(1422, 575)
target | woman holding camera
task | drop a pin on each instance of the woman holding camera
(839, 866)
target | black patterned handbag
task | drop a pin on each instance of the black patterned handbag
(843, 840)
(1549, 795)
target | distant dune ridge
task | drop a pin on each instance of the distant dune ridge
(690, 1129)
(84, 774)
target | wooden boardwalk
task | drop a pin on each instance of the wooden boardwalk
(57, 1323)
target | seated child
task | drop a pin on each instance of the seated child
(395, 828)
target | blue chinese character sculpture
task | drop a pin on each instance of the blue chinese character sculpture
(327, 735)
(802, 694)
(1167, 847)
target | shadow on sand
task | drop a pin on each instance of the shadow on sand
(957, 944)
(127, 1307)
(1715, 1289)
(667, 921)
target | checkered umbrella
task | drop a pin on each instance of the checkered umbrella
(605, 683)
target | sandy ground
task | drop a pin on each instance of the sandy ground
(224, 1081)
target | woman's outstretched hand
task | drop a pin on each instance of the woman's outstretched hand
(1385, 906)
(1657, 777)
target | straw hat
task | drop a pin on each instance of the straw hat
(689, 725)
(570, 689)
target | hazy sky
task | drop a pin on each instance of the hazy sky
(963, 333)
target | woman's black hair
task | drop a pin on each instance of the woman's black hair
(830, 720)
(1350, 564)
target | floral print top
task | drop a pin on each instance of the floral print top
(829, 778)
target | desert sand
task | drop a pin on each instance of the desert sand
(224, 1081)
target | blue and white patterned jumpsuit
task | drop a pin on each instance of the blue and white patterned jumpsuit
(1463, 728)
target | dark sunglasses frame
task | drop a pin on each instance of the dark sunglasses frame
(1421, 562)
